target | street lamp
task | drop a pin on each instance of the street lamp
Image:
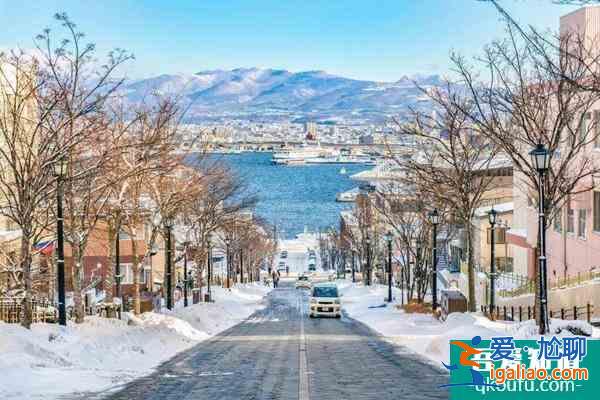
(168, 224)
(60, 169)
(434, 220)
(540, 158)
(227, 244)
(389, 237)
(118, 262)
(492, 215)
(209, 266)
(186, 243)
(353, 266)
(368, 242)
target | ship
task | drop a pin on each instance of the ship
(301, 154)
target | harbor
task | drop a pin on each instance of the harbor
(295, 199)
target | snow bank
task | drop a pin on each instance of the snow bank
(424, 334)
(49, 361)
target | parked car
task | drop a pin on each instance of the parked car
(303, 282)
(312, 267)
(325, 301)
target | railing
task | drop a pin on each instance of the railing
(11, 310)
(520, 313)
(557, 283)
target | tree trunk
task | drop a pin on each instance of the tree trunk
(110, 267)
(76, 281)
(471, 268)
(136, 276)
(27, 315)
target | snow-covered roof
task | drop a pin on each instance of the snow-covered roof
(501, 208)
(386, 170)
(6, 236)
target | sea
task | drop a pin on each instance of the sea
(297, 198)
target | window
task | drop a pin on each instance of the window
(596, 211)
(583, 126)
(570, 220)
(123, 235)
(596, 129)
(582, 223)
(499, 235)
(504, 264)
(558, 221)
(127, 274)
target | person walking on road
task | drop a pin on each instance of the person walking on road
(275, 278)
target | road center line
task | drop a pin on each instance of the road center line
(303, 363)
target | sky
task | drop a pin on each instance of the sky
(364, 39)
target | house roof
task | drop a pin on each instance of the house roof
(501, 208)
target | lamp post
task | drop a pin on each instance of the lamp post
(492, 219)
(241, 266)
(540, 158)
(60, 169)
(168, 224)
(353, 266)
(185, 270)
(228, 263)
(368, 242)
(118, 262)
(209, 267)
(434, 219)
(389, 237)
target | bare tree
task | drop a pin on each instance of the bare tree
(44, 100)
(531, 89)
(450, 164)
(360, 234)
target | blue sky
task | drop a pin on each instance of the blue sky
(376, 39)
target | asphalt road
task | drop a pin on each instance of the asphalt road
(280, 353)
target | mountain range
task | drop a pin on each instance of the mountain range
(271, 94)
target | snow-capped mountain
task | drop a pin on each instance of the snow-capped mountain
(263, 92)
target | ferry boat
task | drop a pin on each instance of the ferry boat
(300, 155)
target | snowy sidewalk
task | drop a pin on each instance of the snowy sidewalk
(50, 361)
(424, 334)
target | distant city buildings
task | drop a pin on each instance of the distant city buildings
(310, 130)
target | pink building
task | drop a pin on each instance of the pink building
(573, 236)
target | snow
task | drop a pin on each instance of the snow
(428, 336)
(50, 361)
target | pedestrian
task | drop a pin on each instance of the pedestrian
(275, 279)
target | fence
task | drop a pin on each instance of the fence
(520, 313)
(554, 283)
(11, 310)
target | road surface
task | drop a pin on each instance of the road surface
(280, 353)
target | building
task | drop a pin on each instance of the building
(310, 130)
